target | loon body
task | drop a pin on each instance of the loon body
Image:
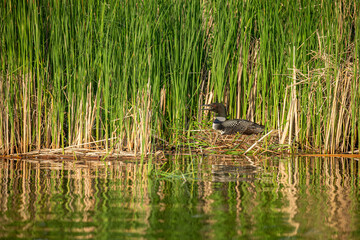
(231, 126)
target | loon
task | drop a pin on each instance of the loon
(231, 126)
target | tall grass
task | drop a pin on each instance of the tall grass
(130, 75)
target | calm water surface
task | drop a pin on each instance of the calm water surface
(183, 198)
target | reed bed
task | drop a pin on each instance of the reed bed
(131, 75)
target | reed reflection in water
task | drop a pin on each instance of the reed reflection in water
(189, 198)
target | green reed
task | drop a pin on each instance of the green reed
(131, 75)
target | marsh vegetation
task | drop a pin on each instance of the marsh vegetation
(131, 75)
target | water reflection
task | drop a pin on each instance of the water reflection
(215, 197)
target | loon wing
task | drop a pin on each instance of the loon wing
(241, 126)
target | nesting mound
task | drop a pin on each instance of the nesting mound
(213, 141)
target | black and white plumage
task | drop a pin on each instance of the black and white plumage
(231, 126)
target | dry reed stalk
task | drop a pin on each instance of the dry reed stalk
(209, 94)
(79, 123)
(130, 135)
(252, 98)
(26, 110)
(330, 130)
(88, 127)
(343, 113)
(292, 125)
(4, 141)
(285, 129)
(311, 96)
(146, 123)
(239, 89)
(47, 124)
(295, 101)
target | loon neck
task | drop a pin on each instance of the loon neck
(220, 119)
(218, 124)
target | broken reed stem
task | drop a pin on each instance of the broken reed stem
(252, 146)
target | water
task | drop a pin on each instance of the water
(183, 198)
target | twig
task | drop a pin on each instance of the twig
(77, 145)
(252, 146)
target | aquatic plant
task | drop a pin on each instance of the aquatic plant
(130, 75)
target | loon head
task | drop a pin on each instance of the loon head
(218, 108)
